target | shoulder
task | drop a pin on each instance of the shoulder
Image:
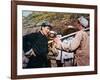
(31, 34)
(81, 32)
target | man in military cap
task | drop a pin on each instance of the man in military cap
(35, 46)
(79, 44)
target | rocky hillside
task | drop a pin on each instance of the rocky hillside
(60, 21)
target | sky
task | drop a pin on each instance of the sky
(26, 13)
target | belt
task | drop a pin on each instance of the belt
(68, 59)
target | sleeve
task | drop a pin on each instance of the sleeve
(76, 41)
(27, 43)
(65, 46)
(62, 46)
(74, 44)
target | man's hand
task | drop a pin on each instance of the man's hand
(57, 40)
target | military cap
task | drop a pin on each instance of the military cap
(83, 21)
(44, 24)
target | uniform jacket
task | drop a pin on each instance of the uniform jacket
(39, 43)
(79, 44)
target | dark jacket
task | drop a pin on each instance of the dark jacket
(39, 43)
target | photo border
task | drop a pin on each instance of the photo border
(14, 38)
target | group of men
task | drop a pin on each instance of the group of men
(35, 45)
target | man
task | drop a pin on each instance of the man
(52, 50)
(35, 46)
(80, 44)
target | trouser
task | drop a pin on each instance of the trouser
(59, 64)
(37, 62)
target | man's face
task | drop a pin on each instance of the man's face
(77, 24)
(46, 30)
